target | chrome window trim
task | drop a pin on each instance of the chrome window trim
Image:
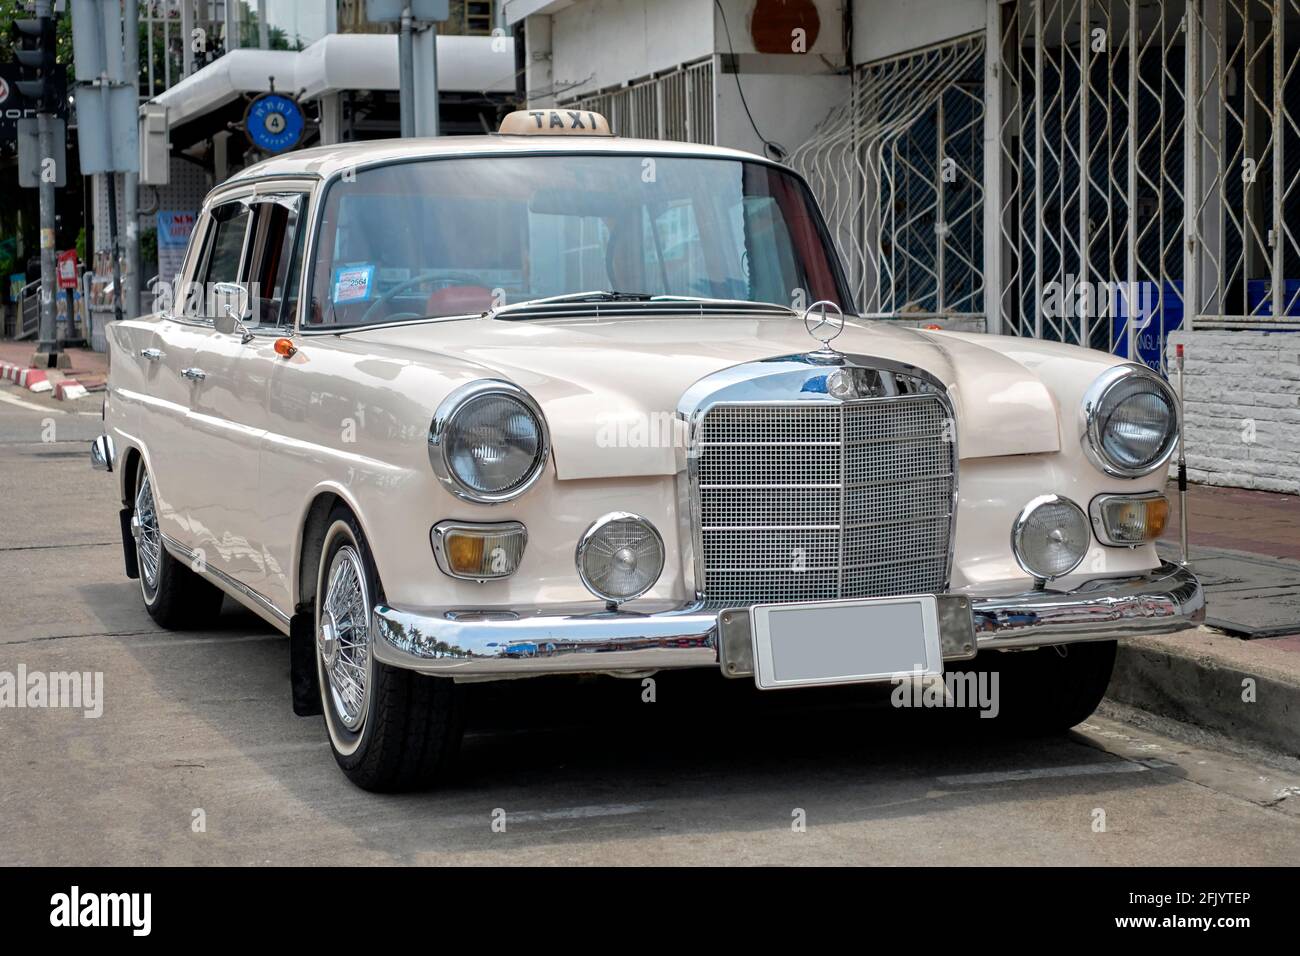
(442, 420)
(584, 542)
(1018, 525)
(1091, 437)
(737, 384)
(1099, 524)
(439, 532)
(323, 185)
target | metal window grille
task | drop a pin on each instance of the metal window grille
(898, 171)
(676, 106)
(1147, 168)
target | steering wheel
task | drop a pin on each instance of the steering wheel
(442, 281)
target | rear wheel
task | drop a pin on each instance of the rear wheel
(174, 595)
(390, 729)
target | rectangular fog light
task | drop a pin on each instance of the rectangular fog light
(478, 552)
(1129, 520)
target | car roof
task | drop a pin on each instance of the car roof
(325, 161)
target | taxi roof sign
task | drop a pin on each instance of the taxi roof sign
(555, 123)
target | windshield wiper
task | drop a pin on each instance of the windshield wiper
(606, 295)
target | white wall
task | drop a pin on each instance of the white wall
(599, 43)
(883, 28)
(786, 108)
(1242, 411)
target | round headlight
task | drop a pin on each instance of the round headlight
(1050, 537)
(488, 441)
(620, 557)
(1131, 422)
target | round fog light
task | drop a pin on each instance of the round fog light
(620, 557)
(1050, 537)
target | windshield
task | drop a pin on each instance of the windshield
(457, 236)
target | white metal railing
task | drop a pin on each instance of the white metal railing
(1150, 145)
(898, 173)
(677, 105)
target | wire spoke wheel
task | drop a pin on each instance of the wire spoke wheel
(343, 636)
(148, 541)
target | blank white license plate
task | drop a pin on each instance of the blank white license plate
(845, 642)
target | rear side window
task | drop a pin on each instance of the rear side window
(276, 261)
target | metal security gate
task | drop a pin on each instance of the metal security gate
(677, 105)
(1117, 206)
(1127, 206)
(898, 172)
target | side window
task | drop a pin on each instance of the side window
(276, 262)
(224, 254)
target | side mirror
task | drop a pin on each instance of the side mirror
(232, 310)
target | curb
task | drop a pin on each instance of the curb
(32, 379)
(69, 388)
(1196, 678)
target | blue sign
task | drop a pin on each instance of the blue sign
(274, 123)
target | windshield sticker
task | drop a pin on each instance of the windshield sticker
(353, 284)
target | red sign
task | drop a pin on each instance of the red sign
(66, 272)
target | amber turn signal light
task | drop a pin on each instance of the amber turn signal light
(284, 347)
(1127, 520)
(479, 552)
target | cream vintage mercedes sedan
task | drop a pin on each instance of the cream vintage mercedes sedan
(556, 402)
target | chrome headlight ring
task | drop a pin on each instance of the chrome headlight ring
(594, 533)
(1095, 417)
(1019, 528)
(442, 430)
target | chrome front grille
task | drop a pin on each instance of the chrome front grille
(817, 500)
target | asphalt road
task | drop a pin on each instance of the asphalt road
(198, 728)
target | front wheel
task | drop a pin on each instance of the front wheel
(1051, 689)
(390, 729)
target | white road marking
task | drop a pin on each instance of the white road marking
(15, 400)
(575, 813)
(1039, 773)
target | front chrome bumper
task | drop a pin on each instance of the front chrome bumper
(494, 644)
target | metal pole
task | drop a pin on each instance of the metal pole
(114, 247)
(435, 114)
(130, 187)
(263, 27)
(1182, 463)
(406, 75)
(48, 343)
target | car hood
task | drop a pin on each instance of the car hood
(592, 375)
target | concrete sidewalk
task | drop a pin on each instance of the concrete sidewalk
(86, 373)
(1246, 689)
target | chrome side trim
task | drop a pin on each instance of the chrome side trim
(225, 581)
(103, 453)
(498, 643)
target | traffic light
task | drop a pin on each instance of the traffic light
(34, 49)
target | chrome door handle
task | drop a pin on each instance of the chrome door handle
(194, 374)
(152, 355)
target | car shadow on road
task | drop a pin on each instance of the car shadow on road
(700, 753)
